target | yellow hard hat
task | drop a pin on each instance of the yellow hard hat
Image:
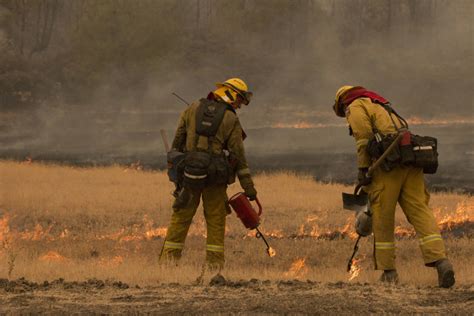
(231, 88)
(338, 107)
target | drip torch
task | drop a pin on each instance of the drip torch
(249, 217)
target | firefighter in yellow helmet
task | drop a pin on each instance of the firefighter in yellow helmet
(210, 135)
(369, 114)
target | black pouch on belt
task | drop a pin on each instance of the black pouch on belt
(175, 161)
(218, 170)
(425, 150)
(196, 168)
(378, 145)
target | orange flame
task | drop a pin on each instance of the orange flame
(53, 256)
(4, 227)
(148, 230)
(134, 166)
(319, 233)
(304, 125)
(406, 232)
(157, 232)
(276, 233)
(114, 262)
(39, 233)
(28, 160)
(64, 233)
(414, 120)
(356, 268)
(298, 269)
(464, 213)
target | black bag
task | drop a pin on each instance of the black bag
(425, 151)
(196, 169)
(414, 150)
(175, 161)
(218, 170)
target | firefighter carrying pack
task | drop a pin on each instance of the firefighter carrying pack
(413, 150)
(202, 167)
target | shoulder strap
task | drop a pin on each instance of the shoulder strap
(390, 110)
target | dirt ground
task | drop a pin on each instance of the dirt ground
(227, 297)
(85, 241)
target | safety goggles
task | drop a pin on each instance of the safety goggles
(246, 96)
(339, 108)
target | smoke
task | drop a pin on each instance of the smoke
(293, 54)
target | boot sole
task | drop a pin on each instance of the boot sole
(447, 279)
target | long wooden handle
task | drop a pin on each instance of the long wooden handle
(385, 154)
(164, 137)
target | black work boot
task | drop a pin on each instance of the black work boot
(445, 273)
(389, 276)
(218, 280)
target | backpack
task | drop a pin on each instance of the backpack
(203, 168)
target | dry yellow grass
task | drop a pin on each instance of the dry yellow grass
(75, 223)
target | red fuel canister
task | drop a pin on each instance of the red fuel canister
(247, 214)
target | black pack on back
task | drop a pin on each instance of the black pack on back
(202, 168)
(209, 116)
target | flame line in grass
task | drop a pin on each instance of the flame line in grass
(458, 224)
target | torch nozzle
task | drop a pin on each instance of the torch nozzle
(270, 251)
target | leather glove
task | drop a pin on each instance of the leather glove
(363, 178)
(251, 193)
(248, 186)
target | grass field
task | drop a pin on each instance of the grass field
(109, 223)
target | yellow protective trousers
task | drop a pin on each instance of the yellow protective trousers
(215, 210)
(405, 185)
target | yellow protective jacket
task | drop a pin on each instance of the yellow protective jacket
(363, 117)
(229, 136)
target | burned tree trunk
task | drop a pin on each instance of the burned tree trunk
(47, 11)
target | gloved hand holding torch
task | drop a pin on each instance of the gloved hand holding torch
(248, 186)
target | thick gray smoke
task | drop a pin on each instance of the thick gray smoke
(109, 69)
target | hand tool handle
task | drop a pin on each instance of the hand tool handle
(380, 160)
(183, 100)
(385, 154)
(164, 137)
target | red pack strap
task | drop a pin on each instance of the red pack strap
(360, 92)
